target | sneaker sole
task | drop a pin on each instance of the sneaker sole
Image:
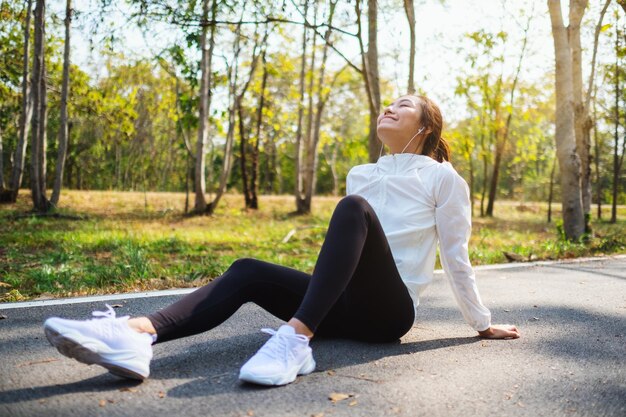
(75, 350)
(281, 379)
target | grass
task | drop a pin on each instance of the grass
(135, 242)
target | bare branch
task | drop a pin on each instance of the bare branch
(595, 52)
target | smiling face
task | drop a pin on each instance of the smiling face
(399, 122)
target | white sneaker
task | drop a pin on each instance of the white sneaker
(280, 360)
(106, 341)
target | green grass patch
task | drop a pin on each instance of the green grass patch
(119, 246)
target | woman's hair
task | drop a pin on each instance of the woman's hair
(434, 145)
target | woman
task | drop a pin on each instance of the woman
(377, 257)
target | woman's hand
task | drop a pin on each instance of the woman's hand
(503, 331)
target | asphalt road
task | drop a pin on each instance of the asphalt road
(570, 361)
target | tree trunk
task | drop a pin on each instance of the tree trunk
(203, 114)
(228, 163)
(502, 135)
(315, 119)
(616, 167)
(371, 79)
(26, 113)
(551, 192)
(273, 167)
(597, 161)
(38, 82)
(588, 122)
(495, 173)
(298, 189)
(569, 162)
(303, 204)
(374, 79)
(63, 129)
(576, 11)
(409, 8)
(244, 130)
(233, 99)
(243, 143)
(1, 163)
(254, 201)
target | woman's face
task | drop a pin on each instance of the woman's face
(399, 121)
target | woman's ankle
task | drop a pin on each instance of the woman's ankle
(142, 325)
(300, 327)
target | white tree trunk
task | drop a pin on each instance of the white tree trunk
(569, 162)
(409, 8)
(203, 114)
(63, 129)
(576, 11)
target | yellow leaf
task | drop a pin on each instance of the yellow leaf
(338, 396)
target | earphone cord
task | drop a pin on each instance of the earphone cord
(407, 145)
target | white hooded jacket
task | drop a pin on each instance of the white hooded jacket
(420, 201)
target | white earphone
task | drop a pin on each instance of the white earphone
(407, 145)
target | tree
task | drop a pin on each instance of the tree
(370, 70)
(565, 136)
(25, 114)
(618, 157)
(205, 102)
(234, 99)
(40, 113)
(503, 129)
(486, 91)
(248, 177)
(63, 129)
(318, 94)
(590, 122)
(409, 8)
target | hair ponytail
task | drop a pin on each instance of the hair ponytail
(434, 146)
(442, 152)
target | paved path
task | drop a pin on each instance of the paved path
(571, 360)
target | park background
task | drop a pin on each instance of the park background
(178, 136)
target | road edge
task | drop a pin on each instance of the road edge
(182, 291)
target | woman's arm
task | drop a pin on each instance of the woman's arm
(453, 221)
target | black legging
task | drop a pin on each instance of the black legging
(355, 290)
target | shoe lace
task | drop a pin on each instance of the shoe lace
(276, 346)
(109, 314)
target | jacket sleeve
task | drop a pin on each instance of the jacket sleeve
(454, 224)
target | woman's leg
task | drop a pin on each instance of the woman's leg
(275, 288)
(355, 289)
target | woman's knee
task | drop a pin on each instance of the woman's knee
(352, 203)
(244, 264)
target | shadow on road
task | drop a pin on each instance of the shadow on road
(100, 383)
